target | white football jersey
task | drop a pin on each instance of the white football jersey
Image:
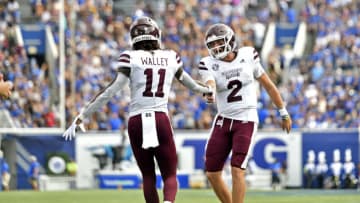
(151, 76)
(236, 87)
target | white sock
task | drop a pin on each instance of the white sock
(167, 202)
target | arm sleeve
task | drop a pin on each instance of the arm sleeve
(187, 81)
(105, 95)
(179, 62)
(124, 60)
(204, 72)
(258, 68)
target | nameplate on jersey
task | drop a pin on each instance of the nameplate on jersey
(154, 61)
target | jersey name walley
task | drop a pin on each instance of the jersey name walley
(154, 61)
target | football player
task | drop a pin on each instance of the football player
(233, 73)
(150, 71)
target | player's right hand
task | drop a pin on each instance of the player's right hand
(69, 134)
(210, 97)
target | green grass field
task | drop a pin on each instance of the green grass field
(184, 196)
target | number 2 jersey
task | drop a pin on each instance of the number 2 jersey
(236, 89)
(151, 76)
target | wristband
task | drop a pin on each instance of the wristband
(284, 113)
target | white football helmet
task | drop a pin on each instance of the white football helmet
(145, 29)
(220, 40)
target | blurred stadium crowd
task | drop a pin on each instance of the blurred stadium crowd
(321, 89)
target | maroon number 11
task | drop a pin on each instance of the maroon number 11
(149, 79)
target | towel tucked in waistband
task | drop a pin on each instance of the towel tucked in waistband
(150, 138)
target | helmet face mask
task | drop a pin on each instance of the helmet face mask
(218, 48)
(220, 41)
(145, 29)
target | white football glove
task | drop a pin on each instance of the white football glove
(210, 97)
(70, 132)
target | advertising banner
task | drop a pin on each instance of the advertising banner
(96, 167)
(285, 34)
(40, 147)
(333, 150)
(34, 38)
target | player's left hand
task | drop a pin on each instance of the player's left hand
(69, 134)
(286, 123)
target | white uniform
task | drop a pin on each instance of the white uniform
(151, 76)
(236, 86)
